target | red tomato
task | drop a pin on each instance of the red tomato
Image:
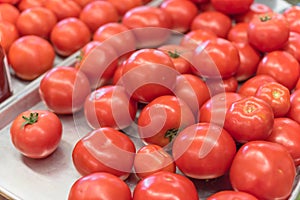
(8, 34)
(98, 186)
(292, 15)
(231, 195)
(193, 90)
(10, 1)
(147, 74)
(83, 3)
(64, 89)
(30, 56)
(165, 185)
(109, 106)
(295, 106)
(181, 12)
(69, 35)
(9, 13)
(250, 86)
(286, 132)
(36, 21)
(98, 13)
(161, 119)
(203, 151)
(36, 133)
(232, 6)
(63, 8)
(280, 65)
(268, 32)
(114, 155)
(293, 45)
(254, 10)
(24, 4)
(298, 85)
(238, 33)
(214, 21)
(220, 58)
(195, 37)
(263, 169)
(152, 158)
(125, 5)
(277, 96)
(217, 86)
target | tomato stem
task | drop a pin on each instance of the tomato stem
(171, 134)
(33, 118)
(174, 54)
(265, 18)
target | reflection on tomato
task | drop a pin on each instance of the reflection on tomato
(293, 45)
(24, 4)
(231, 195)
(238, 33)
(232, 7)
(295, 106)
(63, 8)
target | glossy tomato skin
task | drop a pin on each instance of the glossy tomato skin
(268, 27)
(9, 34)
(161, 185)
(231, 195)
(238, 33)
(295, 106)
(249, 119)
(38, 136)
(109, 106)
(161, 119)
(231, 7)
(116, 157)
(297, 85)
(263, 169)
(24, 4)
(123, 6)
(280, 65)
(99, 185)
(63, 8)
(255, 9)
(194, 38)
(292, 15)
(30, 56)
(9, 12)
(64, 89)
(217, 86)
(203, 163)
(293, 45)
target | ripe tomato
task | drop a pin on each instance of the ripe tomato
(36, 133)
(149, 73)
(63, 8)
(9, 12)
(298, 85)
(217, 86)
(195, 37)
(24, 4)
(203, 151)
(98, 13)
(295, 106)
(30, 56)
(255, 9)
(268, 27)
(231, 195)
(123, 6)
(214, 21)
(82, 3)
(75, 35)
(64, 89)
(280, 65)
(263, 169)
(293, 45)
(152, 158)
(181, 12)
(161, 119)
(286, 132)
(10, 1)
(36, 21)
(104, 150)
(292, 15)
(238, 33)
(109, 106)
(231, 7)
(8, 34)
(98, 186)
(161, 185)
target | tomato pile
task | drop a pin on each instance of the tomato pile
(188, 91)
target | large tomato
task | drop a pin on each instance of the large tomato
(8, 33)
(99, 185)
(63, 8)
(203, 151)
(165, 186)
(263, 169)
(104, 150)
(9, 12)
(30, 56)
(64, 89)
(295, 106)
(231, 195)
(238, 33)
(36, 133)
(231, 7)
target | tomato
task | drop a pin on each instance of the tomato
(295, 106)
(98, 186)
(238, 33)
(220, 58)
(36, 133)
(231, 195)
(181, 12)
(98, 13)
(214, 21)
(298, 85)
(250, 86)
(152, 158)
(64, 89)
(217, 86)
(9, 13)
(82, 3)
(8, 34)
(280, 65)
(24, 4)
(263, 169)
(75, 35)
(36, 21)
(292, 15)
(195, 37)
(255, 9)
(63, 8)
(293, 45)
(147, 74)
(10, 1)
(109, 106)
(193, 90)
(125, 5)
(30, 56)
(165, 186)
(231, 7)
(161, 119)
(104, 150)
(203, 151)
(268, 32)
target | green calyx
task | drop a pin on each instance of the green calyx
(171, 134)
(33, 118)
